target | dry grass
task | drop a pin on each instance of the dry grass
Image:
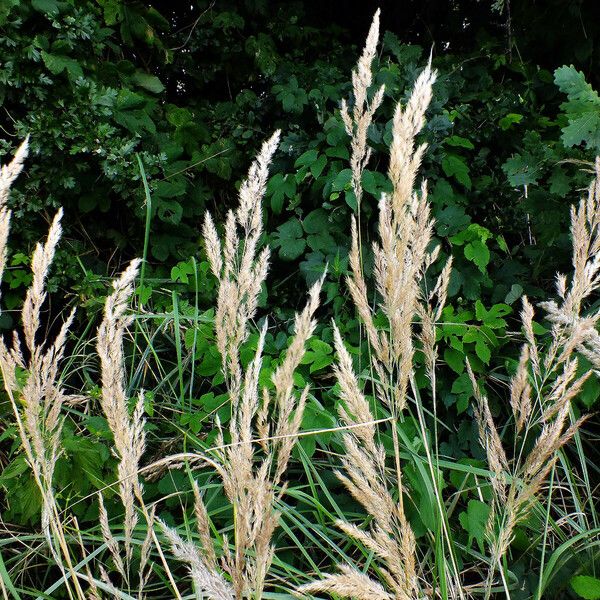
(251, 471)
(402, 258)
(543, 387)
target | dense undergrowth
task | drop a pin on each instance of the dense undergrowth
(432, 422)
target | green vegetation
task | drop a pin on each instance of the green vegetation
(435, 431)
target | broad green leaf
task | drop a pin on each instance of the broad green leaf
(289, 239)
(148, 82)
(342, 180)
(510, 119)
(520, 171)
(307, 158)
(460, 142)
(454, 166)
(57, 64)
(477, 252)
(455, 360)
(586, 587)
(474, 521)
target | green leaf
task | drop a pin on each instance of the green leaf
(474, 521)
(585, 128)
(515, 292)
(454, 166)
(148, 82)
(510, 119)
(56, 64)
(560, 184)
(316, 168)
(281, 187)
(48, 7)
(289, 240)
(306, 158)
(455, 360)
(586, 587)
(477, 252)
(520, 171)
(178, 116)
(482, 350)
(316, 221)
(342, 181)
(463, 387)
(493, 317)
(451, 220)
(582, 108)
(460, 142)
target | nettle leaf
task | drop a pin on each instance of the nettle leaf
(586, 587)
(474, 521)
(289, 239)
(178, 116)
(262, 48)
(454, 166)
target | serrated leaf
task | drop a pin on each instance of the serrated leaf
(585, 128)
(510, 119)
